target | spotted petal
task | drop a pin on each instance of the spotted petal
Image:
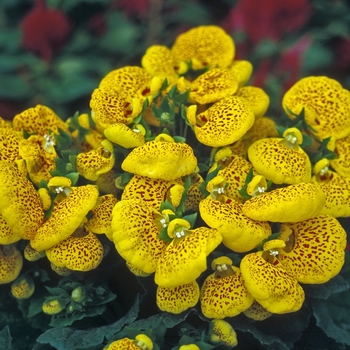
(66, 217)
(178, 299)
(341, 164)
(11, 262)
(183, 261)
(239, 232)
(271, 285)
(77, 253)
(20, 204)
(135, 234)
(286, 204)
(224, 297)
(315, 252)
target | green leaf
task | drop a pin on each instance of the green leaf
(322, 291)
(74, 177)
(163, 235)
(166, 205)
(332, 316)
(5, 339)
(64, 338)
(179, 139)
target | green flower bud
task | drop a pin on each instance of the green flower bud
(78, 294)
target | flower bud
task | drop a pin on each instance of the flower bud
(23, 287)
(52, 307)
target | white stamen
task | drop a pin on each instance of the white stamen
(221, 190)
(274, 252)
(324, 170)
(180, 234)
(292, 139)
(163, 222)
(49, 143)
(59, 189)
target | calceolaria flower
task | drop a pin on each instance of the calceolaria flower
(182, 182)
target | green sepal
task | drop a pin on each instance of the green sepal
(166, 205)
(243, 191)
(163, 235)
(191, 218)
(179, 139)
(63, 140)
(74, 177)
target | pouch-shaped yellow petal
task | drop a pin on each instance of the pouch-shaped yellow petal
(279, 163)
(262, 128)
(257, 98)
(341, 164)
(257, 312)
(223, 333)
(225, 122)
(178, 299)
(122, 135)
(135, 234)
(213, 86)
(159, 61)
(185, 259)
(161, 160)
(77, 253)
(129, 82)
(271, 285)
(9, 144)
(96, 162)
(337, 191)
(102, 215)
(224, 297)
(242, 71)
(286, 204)
(7, 235)
(20, 204)
(316, 251)
(239, 232)
(11, 262)
(152, 191)
(326, 105)
(39, 119)
(66, 217)
(109, 107)
(205, 46)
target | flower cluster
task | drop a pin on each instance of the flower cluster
(179, 167)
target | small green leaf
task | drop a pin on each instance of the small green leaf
(191, 219)
(5, 338)
(163, 235)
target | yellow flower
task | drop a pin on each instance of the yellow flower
(326, 105)
(341, 164)
(52, 307)
(66, 217)
(222, 332)
(257, 98)
(189, 347)
(184, 259)
(178, 299)
(242, 71)
(9, 144)
(159, 62)
(110, 107)
(314, 251)
(20, 204)
(223, 293)
(239, 232)
(77, 253)
(194, 195)
(286, 204)
(224, 123)
(135, 234)
(96, 162)
(31, 254)
(152, 191)
(131, 82)
(102, 215)
(39, 159)
(280, 160)
(257, 312)
(270, 284)
(161, 160)
(7, 235)
(142, 341)
(211, 86)
(45, 198)
(204, 46)
(122, 135)
(23, 287)
(11, 262)
(262, 128)
(39, 119)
